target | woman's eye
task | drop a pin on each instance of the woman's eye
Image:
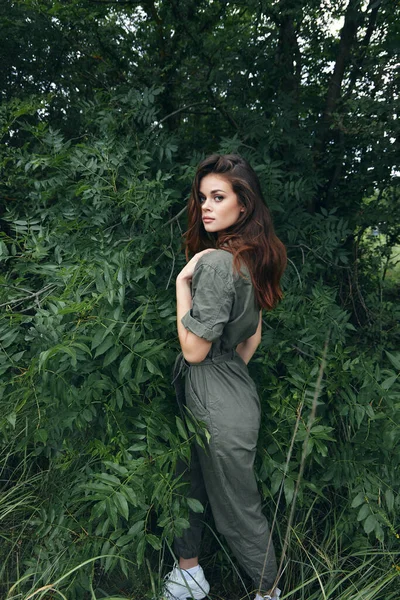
(202, 199)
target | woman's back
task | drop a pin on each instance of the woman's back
(224, 307)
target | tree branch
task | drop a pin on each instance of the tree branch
(35, 295)
(347, 40)
(176, 217)
(288, 51)
(364, 44)
(175, 112)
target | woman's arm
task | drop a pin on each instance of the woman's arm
(247, 348)
(194, 348)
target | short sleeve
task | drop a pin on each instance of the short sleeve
(212, 302)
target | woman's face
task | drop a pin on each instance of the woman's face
(220, 206)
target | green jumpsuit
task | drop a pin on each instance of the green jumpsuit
(220, 392)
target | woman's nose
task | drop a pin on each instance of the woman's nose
(206, 204)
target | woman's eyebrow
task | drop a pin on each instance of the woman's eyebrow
(213, 192)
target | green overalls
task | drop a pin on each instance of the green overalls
(220, 392)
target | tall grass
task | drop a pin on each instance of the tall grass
(319, 560)
(314, 571)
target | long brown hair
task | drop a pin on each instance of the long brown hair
(252, 238)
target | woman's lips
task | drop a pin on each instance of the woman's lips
(207, 219)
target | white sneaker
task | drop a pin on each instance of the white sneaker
(276, 595)
(180, 585)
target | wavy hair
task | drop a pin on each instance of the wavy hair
(251, 239)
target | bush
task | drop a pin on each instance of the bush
(90, 432)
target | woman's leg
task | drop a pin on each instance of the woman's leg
(187, 546)
(228, 472)
(188, 579)
(188, 563)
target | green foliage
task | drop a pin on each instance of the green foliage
(84, 333)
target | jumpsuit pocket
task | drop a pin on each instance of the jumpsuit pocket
(193, 402)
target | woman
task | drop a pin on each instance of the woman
(235, 272)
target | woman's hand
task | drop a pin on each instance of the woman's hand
(187, 272)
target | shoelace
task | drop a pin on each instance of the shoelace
(274, 597)
(179, 578)
(174, 575)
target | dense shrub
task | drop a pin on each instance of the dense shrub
(89, 427)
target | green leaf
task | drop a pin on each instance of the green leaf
(110, 560)
(107, 478)
(120, 469)
(130, 495)
(153, 368)
(99, 510)
(370, 523)
(288, 488)
(112, 511)
(123, 540)
(98, 337)
(387, 383)
(195, 505)
(139, 370)
(142, 346)
(104, 346)
(111, 356)
(122, 505)
(389, 497)
(363, 512)
(40, 436)
(359, 412)
(125, 367)
(12, 418)
(358, 500)
(136, 528)
(153, 541)
(181, 428)
(140, 551)
(137, 447)
(380, 535)
(180, 525)
(394, 359)
(276, 481)
(82, 347)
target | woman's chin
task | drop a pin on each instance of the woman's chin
(210, 227)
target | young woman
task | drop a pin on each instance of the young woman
(235, 272)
